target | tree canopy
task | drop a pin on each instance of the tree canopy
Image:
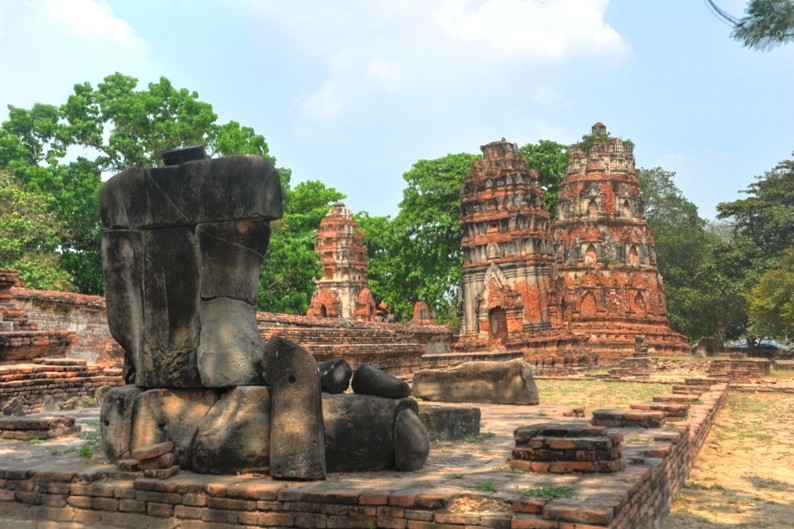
(766, 24)
(119, 125)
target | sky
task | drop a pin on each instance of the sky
(354, 92)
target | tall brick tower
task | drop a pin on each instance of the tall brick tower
(343, 289)
(607, 283)
(507, 286)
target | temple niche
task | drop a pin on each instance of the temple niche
(607, 281)
(507, 289)
(343, 290)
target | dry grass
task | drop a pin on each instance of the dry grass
(743, 477)
(597, 394)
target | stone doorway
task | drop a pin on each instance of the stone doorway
(497, 318)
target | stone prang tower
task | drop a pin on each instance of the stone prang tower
(607, 282)
(507, 289)
(343, 290)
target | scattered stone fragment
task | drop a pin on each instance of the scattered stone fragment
(370, 381)
(234, 436)
(335, 375)
(152, 451)
(115, 421)
(15, 407)
(297, 443)
(508, 382)
(360, 433)
(446, 422)
(127, 465)
(161, 473)
(411, 441)
(161, 461)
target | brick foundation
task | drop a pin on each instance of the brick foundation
(637, 497)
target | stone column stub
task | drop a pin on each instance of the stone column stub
(181, 256)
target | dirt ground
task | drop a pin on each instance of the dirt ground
(744, 476)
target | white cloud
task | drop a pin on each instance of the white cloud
(50, 45)
(532, 28)
(437, 53)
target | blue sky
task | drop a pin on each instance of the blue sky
(354, 92)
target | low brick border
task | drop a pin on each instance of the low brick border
(637, 497)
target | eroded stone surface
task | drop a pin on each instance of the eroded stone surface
(411, 441)
(370, 381)
(359, 431)
(115, 421)
(171, 415)
(492, 382)
(217, 190)
(171, 302)
(231, 255)
(235, 435)
(297, 443)
(230, 348)
(334, 375)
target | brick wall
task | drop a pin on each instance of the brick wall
(66, 311)
(60, 379)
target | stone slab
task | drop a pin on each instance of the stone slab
(508, 382)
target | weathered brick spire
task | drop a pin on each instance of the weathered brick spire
(608, 285)
(343, 290)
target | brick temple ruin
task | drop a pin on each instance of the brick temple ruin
(507, 289)
(608, 284)
(343, 290)
(567, 291)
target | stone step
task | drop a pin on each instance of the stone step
(628, 418)
(676, 397)
(677, 410)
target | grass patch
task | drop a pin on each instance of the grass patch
(487, 487)
(37, 441)
(457, 476)
(473, 439)
(85, 451)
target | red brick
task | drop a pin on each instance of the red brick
(310, 520)
(128, 505)
(272, 519)
(164, 510)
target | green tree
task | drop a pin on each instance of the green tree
(29, 237)
(767, 216)
(771, 302)
(119, 126)
(681, 245)
(416, 256)
(766, 24)
(291, 266)
(550, 160)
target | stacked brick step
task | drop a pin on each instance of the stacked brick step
(27, 428)
(60, 378)
(628, 418)
(673, 411)
(561, 448)
(676, 397)
(740, 369)
(639, 368)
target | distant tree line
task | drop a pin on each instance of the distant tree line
(722, 279)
